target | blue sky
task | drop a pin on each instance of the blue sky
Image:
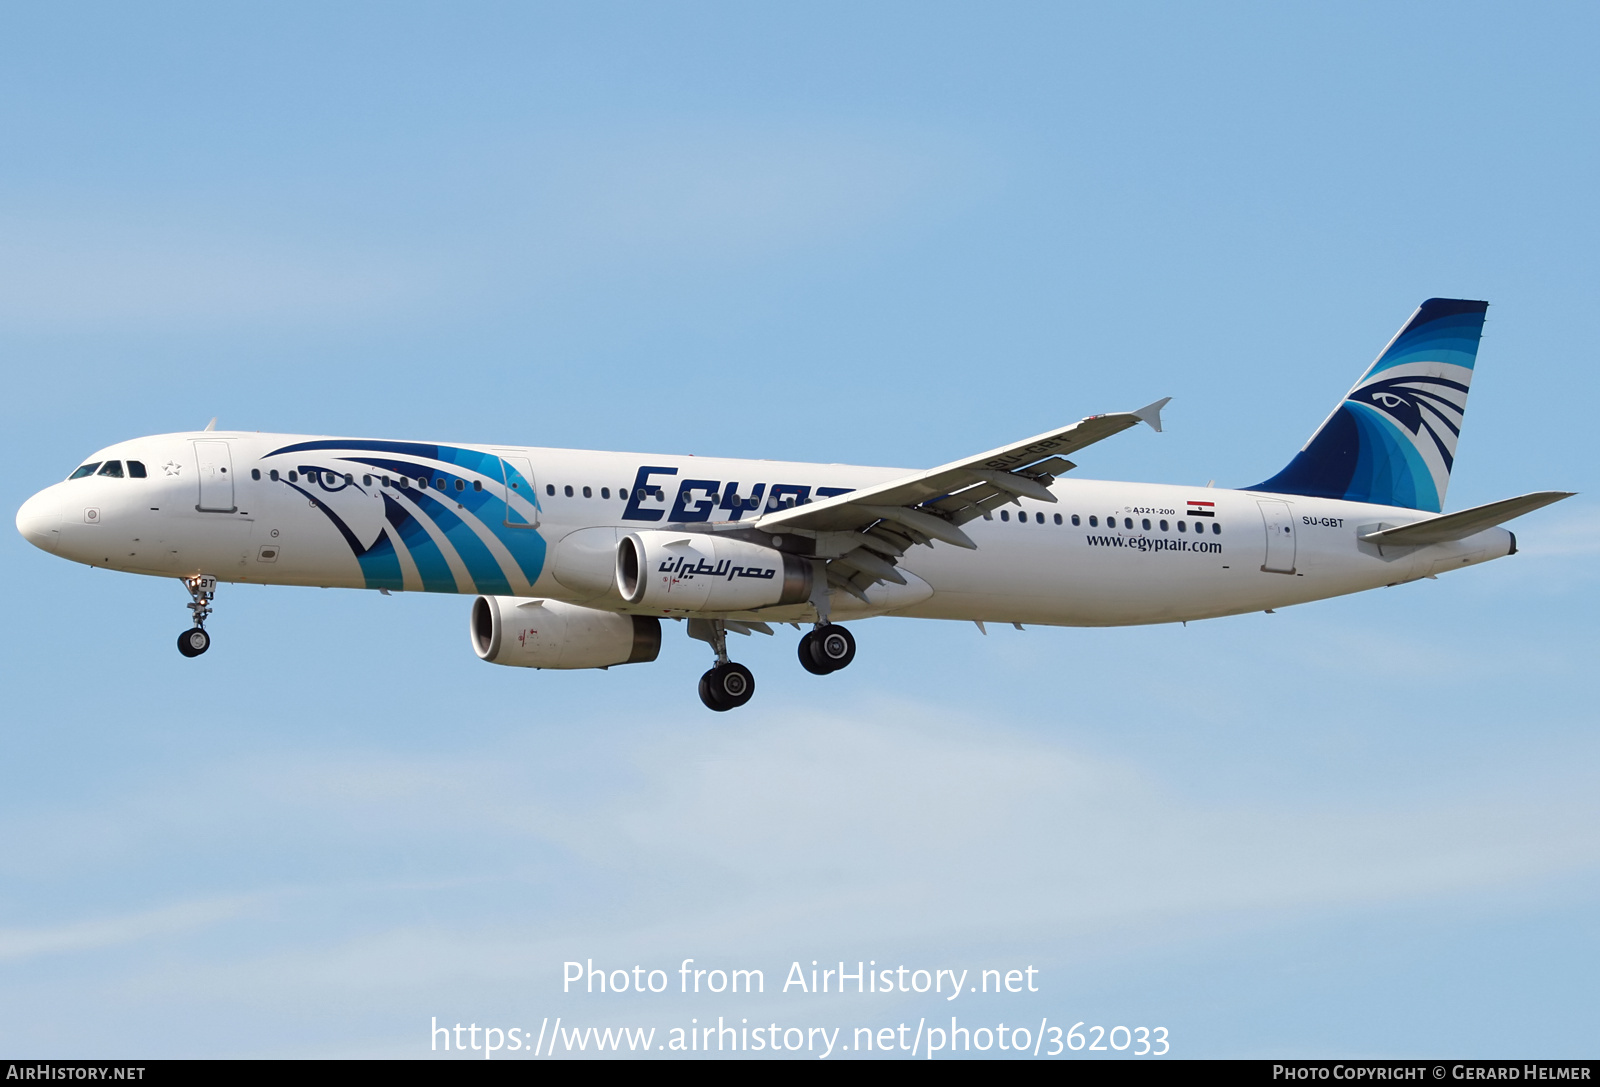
(890, 234)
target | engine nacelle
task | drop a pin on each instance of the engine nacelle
(528, 633)
(700, 571)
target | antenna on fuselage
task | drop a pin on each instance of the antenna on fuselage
(213, 424)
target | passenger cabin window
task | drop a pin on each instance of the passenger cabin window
(550, 489)
(477, 484)
(136, 469)
(1094, 522)
(1216, 529)
(461, 484)
(587, 493)
(439, 483)
(273, 475)
(567, 490)
(1039, 518)
(86, 470)
(1127, 522)
(112, 469)
(622, 493)
(1181, 528)
(1058, 518)
(1075, 521)
(366, 481)
(605, 492)
(294, 477)
(1146, 524)
(1163, 526)
(255, 473)
(1005, 515)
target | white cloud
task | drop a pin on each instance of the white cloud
(22, 943)
(714, 197)
(61, 271)
(892, 825)
(873, 826)
(1566, 532)
(406, 881)
(492, 222)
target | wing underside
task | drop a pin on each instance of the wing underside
(861, 535)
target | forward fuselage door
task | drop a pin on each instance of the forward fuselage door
(522, 500)
(214, 466)
(1278, 520)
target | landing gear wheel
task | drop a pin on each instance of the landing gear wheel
(193, 642)
(810, 658)
(727, 686)
(827, 649)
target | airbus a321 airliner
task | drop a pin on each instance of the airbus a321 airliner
(578, 556)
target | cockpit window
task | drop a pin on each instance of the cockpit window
(86, 470)
(136, 469)
(112, 468)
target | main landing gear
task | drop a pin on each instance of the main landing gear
(827, 648)
(727, 685)
(195, 640)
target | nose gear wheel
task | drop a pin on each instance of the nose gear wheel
(202, 590)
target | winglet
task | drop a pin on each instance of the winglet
(1151, 413)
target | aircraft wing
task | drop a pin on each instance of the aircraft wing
(864, 532)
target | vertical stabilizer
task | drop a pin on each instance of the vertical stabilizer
(1392, 440)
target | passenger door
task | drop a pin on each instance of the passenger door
(214, 466)
(522, 499)
(1279, 522)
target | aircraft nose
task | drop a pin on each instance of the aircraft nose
(40, 522)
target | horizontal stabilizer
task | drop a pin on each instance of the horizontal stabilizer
(1458, 526)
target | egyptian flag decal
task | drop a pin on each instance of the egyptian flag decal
(1202, 509)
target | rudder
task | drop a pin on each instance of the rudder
(1392, 440)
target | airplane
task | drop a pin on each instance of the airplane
(576, 556)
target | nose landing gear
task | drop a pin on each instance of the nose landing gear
(827, 648)
(195, 640)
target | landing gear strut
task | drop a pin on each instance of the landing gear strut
(195, 640)
(727, 685)
(827, 648)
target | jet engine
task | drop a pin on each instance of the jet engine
(699, 571)
(550, 634)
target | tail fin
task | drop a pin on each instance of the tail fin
(1392, 440)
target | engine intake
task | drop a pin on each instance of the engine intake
(527, 633)
(695, 571)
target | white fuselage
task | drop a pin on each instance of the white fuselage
(1103, 554)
